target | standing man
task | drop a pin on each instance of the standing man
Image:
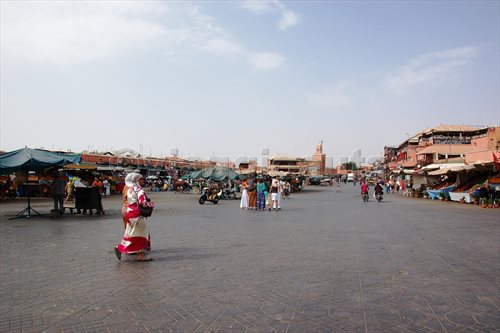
(58, 187)
(274, 190)
(98, 184)
(107, 187)
(261, 196)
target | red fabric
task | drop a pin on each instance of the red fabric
(132, 211)
(133, 244)
(496, 161)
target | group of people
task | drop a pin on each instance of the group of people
(9, 187)
(396, 185)
(255, 193)
(63, 191)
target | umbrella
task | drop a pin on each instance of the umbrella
(27, 159)
(214, 173)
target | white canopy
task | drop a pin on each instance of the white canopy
(451, 168)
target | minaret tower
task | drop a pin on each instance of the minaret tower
(319, 156)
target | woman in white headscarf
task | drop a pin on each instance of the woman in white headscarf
(136, 237)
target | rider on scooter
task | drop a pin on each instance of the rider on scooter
(213, 188)
(378, 191)
(364, 188)
(286, 189)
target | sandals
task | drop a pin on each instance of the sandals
(118, 254)
(143, 257)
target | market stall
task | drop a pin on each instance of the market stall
(440, 191)
(443, 188)
(29, 161)
(467, 190)
(88, 198)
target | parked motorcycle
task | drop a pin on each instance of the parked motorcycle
(11, 193)
(211, 196)
(228, 193)
(364, 195)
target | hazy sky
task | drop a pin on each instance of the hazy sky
(229, 78)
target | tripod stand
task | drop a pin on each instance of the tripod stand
(28, 211)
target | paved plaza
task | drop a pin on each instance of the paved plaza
(326, 263)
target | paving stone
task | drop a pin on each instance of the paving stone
(326, 263)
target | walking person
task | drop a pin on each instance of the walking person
(387, 186)
(136, 238)
(244, 195)
(128, 184)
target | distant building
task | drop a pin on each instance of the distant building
(288, 164)
(126, 160)
(249, 165)
(442, 143)
(314, 165)
(319, 158)
(356, 158)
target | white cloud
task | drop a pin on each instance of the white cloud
(430, 67)
(221, 46)
(266, 60)
(65, 34)
(333, 97)
(259, 7)
(62, 33)
(288, 18)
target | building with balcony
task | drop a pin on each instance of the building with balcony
(442, 143)
(286, 164)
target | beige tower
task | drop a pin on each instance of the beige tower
(320, 157)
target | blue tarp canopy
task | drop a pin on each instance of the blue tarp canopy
(27, 159)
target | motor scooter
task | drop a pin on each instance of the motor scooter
(211, 196)
(228, 193)
(364, 196)
(11, 193)
(379, 196)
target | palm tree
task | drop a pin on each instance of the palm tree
(350, 166)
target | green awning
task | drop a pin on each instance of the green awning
(27, 159)
(213, 173)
